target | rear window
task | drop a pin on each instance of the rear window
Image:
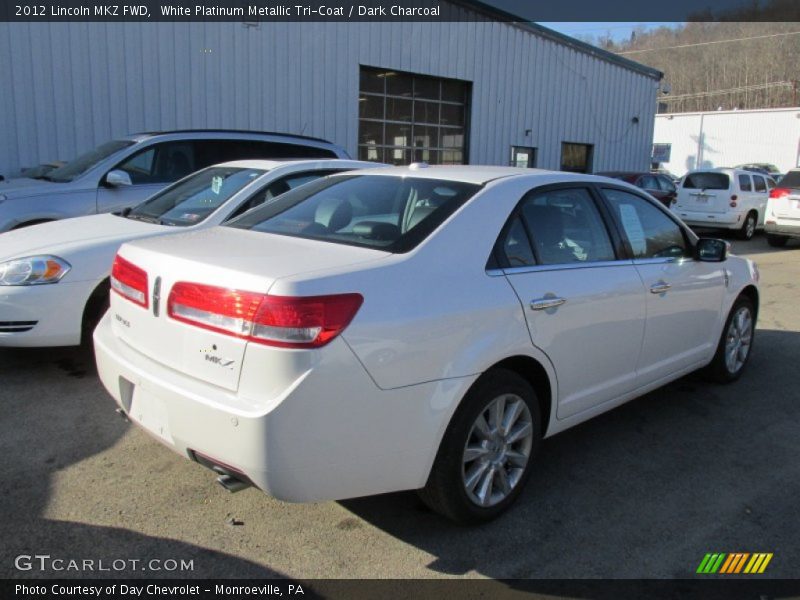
(791, 179)
(386, 213)
(707, 181)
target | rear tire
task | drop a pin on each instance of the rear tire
(486, 454)
(777, 241)
(735, 344)
(748, 229)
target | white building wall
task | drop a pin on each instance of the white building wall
(71, 86)
(729, 138)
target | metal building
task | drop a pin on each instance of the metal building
(480, 92)
(729, 138)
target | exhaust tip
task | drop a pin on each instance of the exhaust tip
(232, 484)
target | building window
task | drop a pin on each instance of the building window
(576, 158)
(523, 156)
(405, 118)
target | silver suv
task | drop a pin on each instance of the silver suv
(125, 171)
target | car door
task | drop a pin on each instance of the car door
(583, 301)
(150, 170)
(683, 296)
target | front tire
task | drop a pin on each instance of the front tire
(777, 241)
(735, 344)
(487, 451)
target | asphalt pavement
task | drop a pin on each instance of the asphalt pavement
(644, 491)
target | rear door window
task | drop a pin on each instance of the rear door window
(745, 184)
(760, 184)
(566, 227)
(516, 246)
(210, 152)
(707, 181)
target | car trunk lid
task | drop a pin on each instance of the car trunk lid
(220, 258)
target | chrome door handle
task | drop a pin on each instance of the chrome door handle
(660, 287)
(547, 302)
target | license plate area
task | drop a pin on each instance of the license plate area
(150, 412)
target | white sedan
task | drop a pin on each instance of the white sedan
(54, 276)
(415, 328)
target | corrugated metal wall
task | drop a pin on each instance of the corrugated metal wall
(69, 87)
(730, 138)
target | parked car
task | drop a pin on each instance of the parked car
(763, 168)
(75, 255)
(725, 199)
(123, 172)
(407, 328)
(783, 211)
(659, 186)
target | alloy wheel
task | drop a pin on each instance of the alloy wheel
(497, 451)
(738, 339)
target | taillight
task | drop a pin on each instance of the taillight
(779, 192)
(284, 321)
(129, 281)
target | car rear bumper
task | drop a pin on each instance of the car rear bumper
(43, 315)
(330, 434)
(723, 220)
(787, 229)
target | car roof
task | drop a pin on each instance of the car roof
(317, 163)
(625, 173)
(464, 173)
(238, 132)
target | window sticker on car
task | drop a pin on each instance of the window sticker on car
(633, 228)
(216, 184)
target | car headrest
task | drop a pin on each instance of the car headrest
(334, 213)
(377, 230)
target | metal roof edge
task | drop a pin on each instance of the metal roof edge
(518, 21)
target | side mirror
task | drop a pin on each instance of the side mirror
(117, 178)
(711, 250)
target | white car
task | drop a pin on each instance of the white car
(725, 199)
(54, 277)
(407, 328)
(783, 211)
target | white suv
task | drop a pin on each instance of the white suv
(783, 210)
(725, 199)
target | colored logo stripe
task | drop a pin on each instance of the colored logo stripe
(733, 563)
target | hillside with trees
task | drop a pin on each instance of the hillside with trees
(719, 65)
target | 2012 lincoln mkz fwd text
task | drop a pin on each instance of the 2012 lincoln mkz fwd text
(415, 328)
